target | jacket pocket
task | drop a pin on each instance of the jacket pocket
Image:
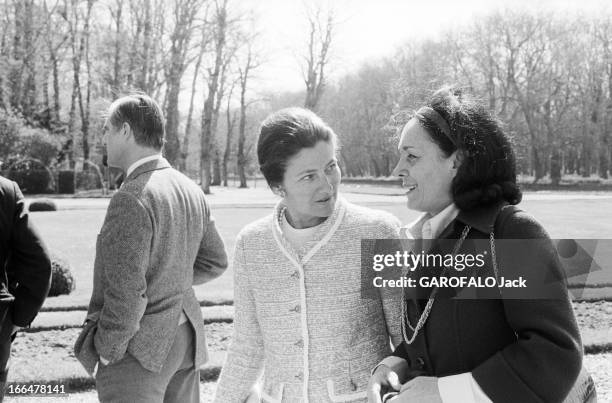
(268, 397)
(84, 348)
(336, 397)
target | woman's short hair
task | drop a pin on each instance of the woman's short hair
(487, 163)
(285, 133)
(144, 116)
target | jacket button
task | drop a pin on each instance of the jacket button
(297, 309)
(299, 343)
(420, 362)
(299, 377)
(296, 275)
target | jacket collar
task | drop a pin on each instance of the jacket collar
(160, 163)
(321, 236)
(480, 218)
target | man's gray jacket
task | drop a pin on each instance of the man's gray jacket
(157, 241)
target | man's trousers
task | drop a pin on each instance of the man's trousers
(179, 381)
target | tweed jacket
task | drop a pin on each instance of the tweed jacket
(25, 266)
(300, 316)
(157, 241)
(518, 350)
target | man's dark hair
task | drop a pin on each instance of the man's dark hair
(144, 116)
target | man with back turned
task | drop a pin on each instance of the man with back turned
(157, 241)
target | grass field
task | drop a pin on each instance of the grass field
(72, 233)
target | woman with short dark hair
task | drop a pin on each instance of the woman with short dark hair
(300, 312)
(459, 169)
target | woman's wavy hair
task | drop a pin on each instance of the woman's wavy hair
(487, 170)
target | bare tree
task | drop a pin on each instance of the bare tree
(227, 56)
(85, 105)
(141, 81)
(525, 51)
(194, 81)
(603, 32)
(79, 44)
(117, 16)
(321, 28)
(184, 16)
(28, 99)
(3, 50)
(230, 122)
(56, 47)
(16, 72)
(245, 72)
(220, 26)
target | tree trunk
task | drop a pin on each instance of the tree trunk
(16, 72)
(46, 113)
(228, 138)
(118, 42)
(56, 90)
(216, 181)
(604, 155)
(84, 106)
(146, 46)
(241, 159)
(208, 141)
(552, 145)
(172, 147)
(185, 145)
(28, 100)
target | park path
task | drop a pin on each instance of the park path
(49, 344)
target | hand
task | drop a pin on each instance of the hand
(383, 380)
(420, 389)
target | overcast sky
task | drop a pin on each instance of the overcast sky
(368, 29)
(371, 28)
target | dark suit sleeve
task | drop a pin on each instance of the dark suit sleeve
(29, 267)
(545, 360)
(211, 260)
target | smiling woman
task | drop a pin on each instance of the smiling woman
(459, 169)
(300, 314)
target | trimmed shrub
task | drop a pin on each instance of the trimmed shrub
(65, 182)
(32, 176)
(43, 205)
(62, 282)
(88, 180)
(34, 181)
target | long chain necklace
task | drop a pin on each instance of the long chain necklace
(423, 318)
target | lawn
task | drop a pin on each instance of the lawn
(72, 233)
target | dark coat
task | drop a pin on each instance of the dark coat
(518, 350)
(25, 266)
